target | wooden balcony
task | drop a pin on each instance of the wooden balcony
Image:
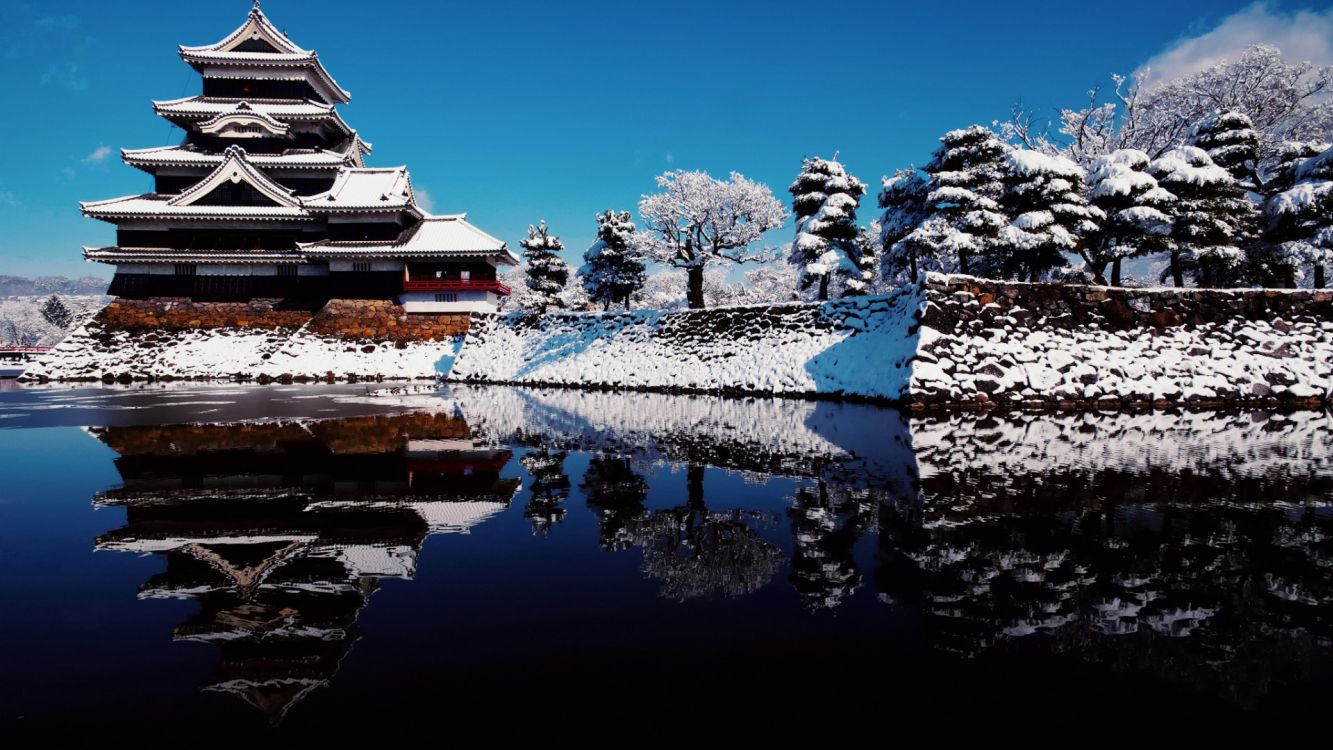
(456, 285)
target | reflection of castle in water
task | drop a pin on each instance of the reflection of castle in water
(281, 531)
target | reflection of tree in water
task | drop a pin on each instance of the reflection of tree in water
(695, 553)
(826, 523)
(615, 492)
(550, 488)
(1197, 578)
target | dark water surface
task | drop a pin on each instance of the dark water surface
(223, 565)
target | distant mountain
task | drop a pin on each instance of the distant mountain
(18, 286)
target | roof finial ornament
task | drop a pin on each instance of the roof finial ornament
(255, 9)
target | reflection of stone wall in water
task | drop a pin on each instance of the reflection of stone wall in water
(280, 531)
(1169, 545)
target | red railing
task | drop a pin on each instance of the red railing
(456, 285)
(24, 349)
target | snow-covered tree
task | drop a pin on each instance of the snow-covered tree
(1299, 212)
(697, 220)
(962, 203)
(612, 267)
(1212, 219)
(545, 270)
(1284, 101)
(1048, 215)
(1135, 212)
(1231, 142)
(824, 202)
(764, 284)
(903, 198)
(55, 313)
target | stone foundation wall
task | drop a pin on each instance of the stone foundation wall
(990, 342)
(183, 314)
(383, 320)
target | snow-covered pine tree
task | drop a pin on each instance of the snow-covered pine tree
(824, 202)
(1231, 142)
(613, 267)
(1048, 215)
(1136, 212)
(903, 198)
(962, 203)
(1299, 211)
(546, 271)
(1212, 219)
(55, 313)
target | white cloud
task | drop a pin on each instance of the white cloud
(65, 73)
(424, 200)
(98, 155)
(1301, 35)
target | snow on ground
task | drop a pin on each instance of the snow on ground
(860, 347)
(91, 352)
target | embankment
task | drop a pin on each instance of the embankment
(950, 342)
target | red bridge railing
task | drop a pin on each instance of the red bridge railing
(456, 285)
(24, 349)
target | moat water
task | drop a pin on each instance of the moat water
(218, 564)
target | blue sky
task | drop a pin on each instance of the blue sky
(517, 111)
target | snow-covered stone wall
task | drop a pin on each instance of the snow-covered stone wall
(858, 347)
(995, 342)
(166, 339)
(950, 342)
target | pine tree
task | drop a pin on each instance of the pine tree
(824, 202)
(962, 203)
(903, 198)
(1299, 212)
(1212, 219)
(1135, 212)
(546, 271)
(1231, 142)
(55, 313)
(613, 269)
(1048, 216)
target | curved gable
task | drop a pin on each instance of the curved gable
(235, 169)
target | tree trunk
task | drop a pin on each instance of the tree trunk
(823, 287)
(1177, 275)
(694, 487)
(911, 257)
(694, 293)
(962, 264)
(1115, 272)
(1319, 276)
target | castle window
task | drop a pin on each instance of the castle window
(361, 266)
(186, 269)
(446, 297)
(286, 270)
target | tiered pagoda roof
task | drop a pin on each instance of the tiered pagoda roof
(258, 44)
(270, 175)
(432, 237)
